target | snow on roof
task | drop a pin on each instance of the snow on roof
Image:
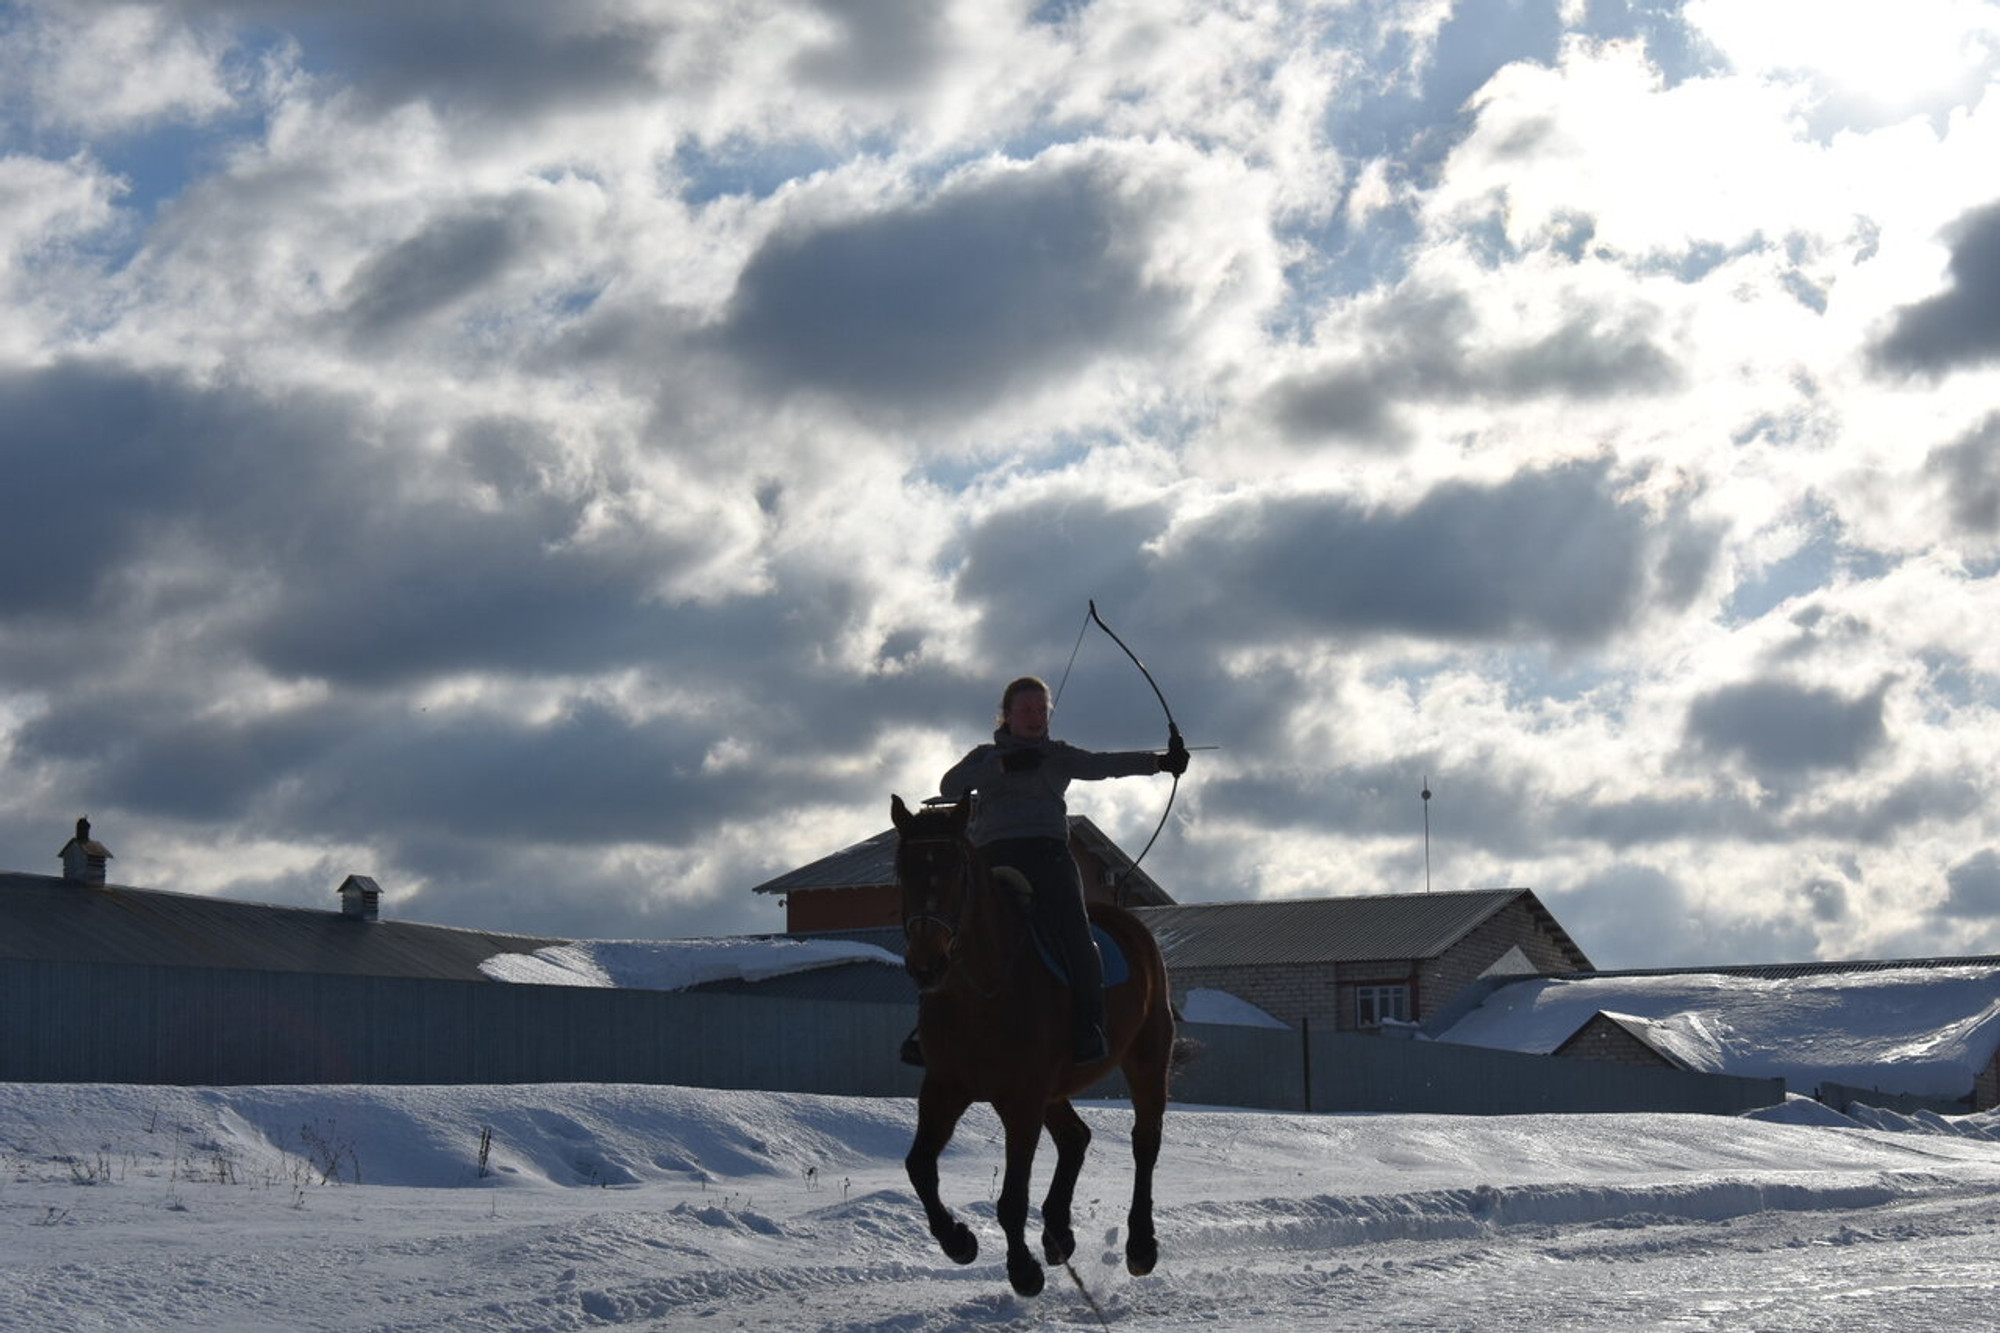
(1924, 1032)
(675, 964)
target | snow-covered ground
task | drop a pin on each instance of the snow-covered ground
(642, 1207)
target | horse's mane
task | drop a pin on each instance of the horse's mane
(932, 821)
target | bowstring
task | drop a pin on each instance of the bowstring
(1173, 728)
(1081, 630)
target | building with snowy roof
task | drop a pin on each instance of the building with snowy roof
(1903, 1034)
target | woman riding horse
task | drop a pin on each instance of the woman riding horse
(1022, 821)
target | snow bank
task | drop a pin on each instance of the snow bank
(1924, 1032)
(675, 964)
(1204, 1005)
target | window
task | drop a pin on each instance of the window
(1372, 1004)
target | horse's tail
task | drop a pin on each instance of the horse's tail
(1186, 1051)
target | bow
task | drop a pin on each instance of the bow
(1173, 728)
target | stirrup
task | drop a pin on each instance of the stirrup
(912, 1052)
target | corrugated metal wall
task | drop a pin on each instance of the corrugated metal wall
(76, 1022)
(121, 1023)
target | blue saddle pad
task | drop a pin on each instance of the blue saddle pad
(1116, 970)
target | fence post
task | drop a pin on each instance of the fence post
(1306, 1046)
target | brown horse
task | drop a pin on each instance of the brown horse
(995, 1027)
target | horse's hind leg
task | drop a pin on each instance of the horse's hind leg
(938, 1110)
(1146, 1075)
(1072, 1138)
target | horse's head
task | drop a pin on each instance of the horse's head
(935, 865)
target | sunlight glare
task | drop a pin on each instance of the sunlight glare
(1892, 55)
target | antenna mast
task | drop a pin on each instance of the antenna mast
(1427, 832)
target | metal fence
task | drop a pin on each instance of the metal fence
(104, 1023)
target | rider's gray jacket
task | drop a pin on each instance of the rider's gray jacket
(1029, 804)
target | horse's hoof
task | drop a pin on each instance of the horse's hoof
(961, 1246)
(1058, 1246)
(1026, 1275)
(1141, 1256)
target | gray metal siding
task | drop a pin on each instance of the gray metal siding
(101, 1023)
(70, 1022)
(1348, 1072)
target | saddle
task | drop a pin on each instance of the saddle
(1116, 970)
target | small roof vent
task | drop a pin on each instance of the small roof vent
(83, 859)
(360, 897)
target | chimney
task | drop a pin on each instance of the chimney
(359, 896)
(83, 860)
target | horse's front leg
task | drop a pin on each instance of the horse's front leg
(1023, 1122)
(1072, 1138)
(938, 1110)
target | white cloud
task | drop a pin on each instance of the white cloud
(622, 445)
(115, 68)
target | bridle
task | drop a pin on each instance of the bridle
(969, 889)
(911, 920)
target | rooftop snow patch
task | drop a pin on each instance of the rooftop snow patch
(675, 964)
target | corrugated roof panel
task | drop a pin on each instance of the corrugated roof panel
(1320, 930)
(57, 920)
(873, 862)
(1781, 971)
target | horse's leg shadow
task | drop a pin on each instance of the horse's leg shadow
(938, 1112)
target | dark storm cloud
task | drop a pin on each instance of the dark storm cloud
(1826, 900)
(590, 776)
(1418, 353)
(1553, 555)
(504, 58)
(1882, 815)
(1960, 326)
(1974, 887)
(883, 46)
(81, 475)
(150, 751)
(1970, 469)
(1468, 809)
(361, 579)
(1781, 729)
(1347, 403)
(450, 258)
(1636, 915)
(994, 287)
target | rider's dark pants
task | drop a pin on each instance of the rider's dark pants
(1058, 911)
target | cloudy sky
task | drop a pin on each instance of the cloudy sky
(573, 462)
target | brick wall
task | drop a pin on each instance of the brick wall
(1602, 1039)
(1514, 926)
(1285, 993)
(843, 909)
(859, 907)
